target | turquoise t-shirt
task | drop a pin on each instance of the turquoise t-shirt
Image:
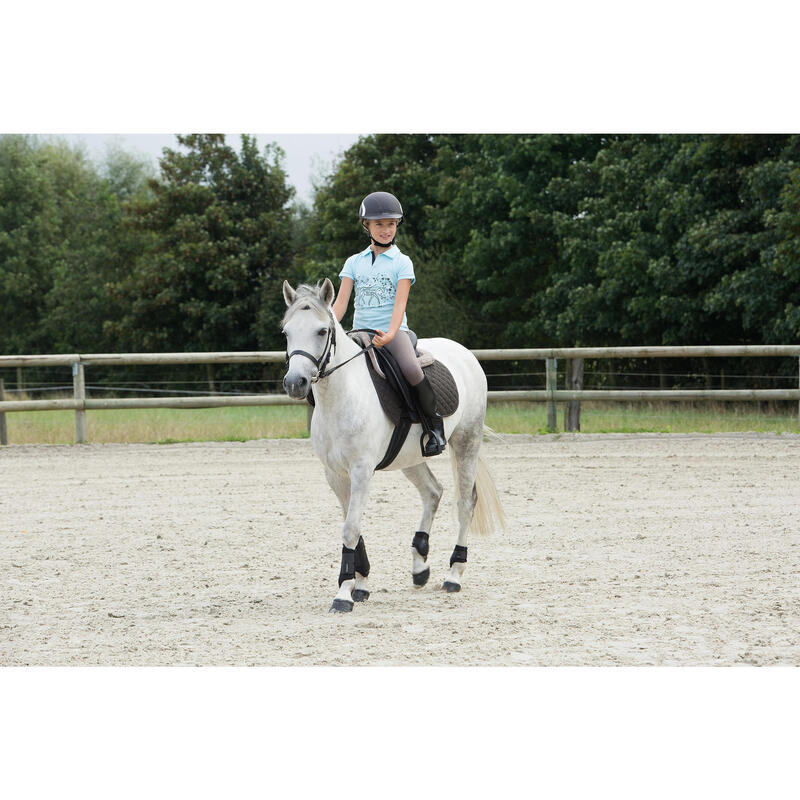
(376, 285)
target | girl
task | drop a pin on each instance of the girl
(382, 277)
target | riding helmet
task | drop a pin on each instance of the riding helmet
(380, 205)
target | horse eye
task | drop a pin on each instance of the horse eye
(322, 331)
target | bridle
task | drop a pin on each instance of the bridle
(330, 347)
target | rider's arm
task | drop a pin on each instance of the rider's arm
(343, 298)
(400, 300)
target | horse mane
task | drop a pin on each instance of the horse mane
(308, 295)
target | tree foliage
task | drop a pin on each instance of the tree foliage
(582, 239)
(221, 234)
(517, 240)
(62, 243)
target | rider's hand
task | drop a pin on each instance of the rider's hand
(382, 338)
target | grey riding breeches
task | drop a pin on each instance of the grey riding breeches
(403, 351)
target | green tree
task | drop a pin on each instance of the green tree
(30, 242)
(222, 232)
(782, 262)
(606, 215)
(61, 243)
(494, 215)
(101, 250)
(761, 288)
(580, 239)
(728, 183)
(666, 234)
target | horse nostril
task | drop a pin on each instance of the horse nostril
(302, 382)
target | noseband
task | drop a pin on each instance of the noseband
(322, 362)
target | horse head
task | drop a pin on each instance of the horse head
(309, 327)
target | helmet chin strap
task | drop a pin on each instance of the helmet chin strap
(380, 244)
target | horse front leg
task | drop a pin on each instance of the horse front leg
(353, 585)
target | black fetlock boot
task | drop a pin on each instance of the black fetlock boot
(431, 422)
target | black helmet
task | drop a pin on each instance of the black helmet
(380, 205)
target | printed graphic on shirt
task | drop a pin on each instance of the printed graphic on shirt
(375, 290)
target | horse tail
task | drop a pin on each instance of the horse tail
(488, 514)
(490, 435)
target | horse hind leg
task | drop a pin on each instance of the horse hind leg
(430, 490)
(464, 454)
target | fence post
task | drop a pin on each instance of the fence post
(79, 392)
(551, 371)
(574, 381)
(3, 428)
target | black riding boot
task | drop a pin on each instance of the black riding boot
(432, 422)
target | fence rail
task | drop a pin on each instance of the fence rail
(552, 395)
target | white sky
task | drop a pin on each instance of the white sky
(307, 155)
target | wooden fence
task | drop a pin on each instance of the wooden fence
(551, 394)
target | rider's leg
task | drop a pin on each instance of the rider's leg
(403, 351)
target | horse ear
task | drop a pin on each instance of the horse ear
(327, 292)
(289, 294)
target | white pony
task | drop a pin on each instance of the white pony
(350, 434)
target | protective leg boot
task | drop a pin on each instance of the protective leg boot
(432, 422)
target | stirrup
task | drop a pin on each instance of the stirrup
(436, 441)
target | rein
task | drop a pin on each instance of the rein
(322, 362)
(324, 374)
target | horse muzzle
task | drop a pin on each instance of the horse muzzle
(296, 386)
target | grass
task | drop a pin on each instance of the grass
(664, 417)
(163, 426)
(160, 425)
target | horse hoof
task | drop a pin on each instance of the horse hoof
(449, 586)
(359, 595)
(342, 605)
(421, 578)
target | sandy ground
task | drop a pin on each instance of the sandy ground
(620, 550)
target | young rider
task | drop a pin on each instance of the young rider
(383, 277)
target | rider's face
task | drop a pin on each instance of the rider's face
(382, 230)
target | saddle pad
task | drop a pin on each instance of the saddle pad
(444, 387)
(441, 380)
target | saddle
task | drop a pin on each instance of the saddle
(394, 392)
